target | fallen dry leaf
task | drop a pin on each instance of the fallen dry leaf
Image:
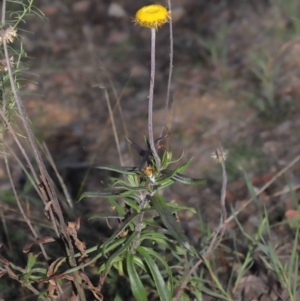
(293, 218)
(72, 229)
(43, 240)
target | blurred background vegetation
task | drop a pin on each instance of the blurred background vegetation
(236, 82)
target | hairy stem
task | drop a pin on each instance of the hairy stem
(150, 103)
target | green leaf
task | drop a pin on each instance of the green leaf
(184, 166)
(132, 203)
(121, 185)
(30, 263)
(136, 284)
(117, 255)
(160, 284)
(120, 169)
(177, 207)
(187, 180)
(152, 253)
(133, 180)
(125, 223)
(169, 176)
(165, 183)
(169, 221)
(166, 176)
(118, 298)
(107, 216)
(166, 159)
(111, 199)
(161, 241)
(99, 195)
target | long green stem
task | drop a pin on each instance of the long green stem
(150, 104)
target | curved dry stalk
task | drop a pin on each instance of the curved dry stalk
(26, 172)
(27, 220)
(280, 173)
(60, 179)
(21, 148)
(111, 114)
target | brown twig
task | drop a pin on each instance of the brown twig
(12, 275)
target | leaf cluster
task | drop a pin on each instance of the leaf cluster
(149, 237)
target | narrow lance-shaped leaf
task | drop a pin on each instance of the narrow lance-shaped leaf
(167, 218)
(136, 284)
(123, 170)
(125, 223)
(160, 284)
(117, 254)
(99, 195)
(30, 263)
(159, 257)
(187, 180)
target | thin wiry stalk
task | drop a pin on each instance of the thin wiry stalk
(25, 170)
(91, 48)
(33, 231)
(218, 233)
(5, 229)
(150, 101)
(118, 104)
(12, 132)
(3, 129)
(170, 70)
(27, 220)
(44, 174)
(111, 115)
(60, 179)
(3, 13)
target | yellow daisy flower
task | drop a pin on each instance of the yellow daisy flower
(152, 16)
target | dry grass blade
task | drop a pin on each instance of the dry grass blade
(217, 235)
(60, 179)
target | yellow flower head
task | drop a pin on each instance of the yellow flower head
(149, 170)
(152, 16)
